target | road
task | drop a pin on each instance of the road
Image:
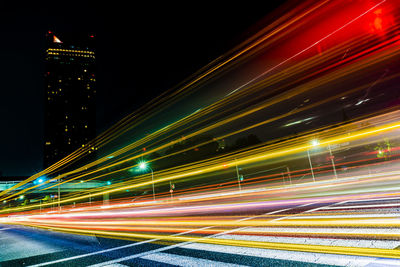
(26, 246)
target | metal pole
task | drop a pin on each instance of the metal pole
(288, 173)
(59, 196)
(152, 183)
(238, 176)
(309, 160)
(170, 188)
(333, 162)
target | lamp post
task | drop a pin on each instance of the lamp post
(332, 160)
(288, 173)
(144, 166)
(59, 195)
(311, 168)
(314, 143)
(238, 176)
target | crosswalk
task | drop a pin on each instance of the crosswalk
(50, 250)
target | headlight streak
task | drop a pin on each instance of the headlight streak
(357, 251)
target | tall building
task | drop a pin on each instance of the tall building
(70, 111)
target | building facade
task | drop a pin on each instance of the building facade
(70, 107)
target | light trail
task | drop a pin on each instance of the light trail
(315, 181)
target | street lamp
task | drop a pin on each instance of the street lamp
(332, 160)
(314, 143)
(239, 177)
(144, 166)
(59, 193)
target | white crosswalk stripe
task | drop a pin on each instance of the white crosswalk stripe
(179, 260)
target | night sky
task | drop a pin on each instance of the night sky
(142, 50)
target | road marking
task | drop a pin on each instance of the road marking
(323, 207)
(110, 249)
(146, 253)
(140, 243)
(350, 216)
(363, 206)
(339, 242)
(179, 260)
(296, 256)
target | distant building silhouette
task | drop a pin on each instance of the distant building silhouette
(70, 111)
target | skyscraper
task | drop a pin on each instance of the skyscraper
(70, 111)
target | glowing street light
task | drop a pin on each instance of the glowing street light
(39, 180)
(144, 166)
(315, 142)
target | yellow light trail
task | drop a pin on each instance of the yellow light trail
(261, 156)
(355, 251)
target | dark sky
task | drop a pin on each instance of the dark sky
(142, 50)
